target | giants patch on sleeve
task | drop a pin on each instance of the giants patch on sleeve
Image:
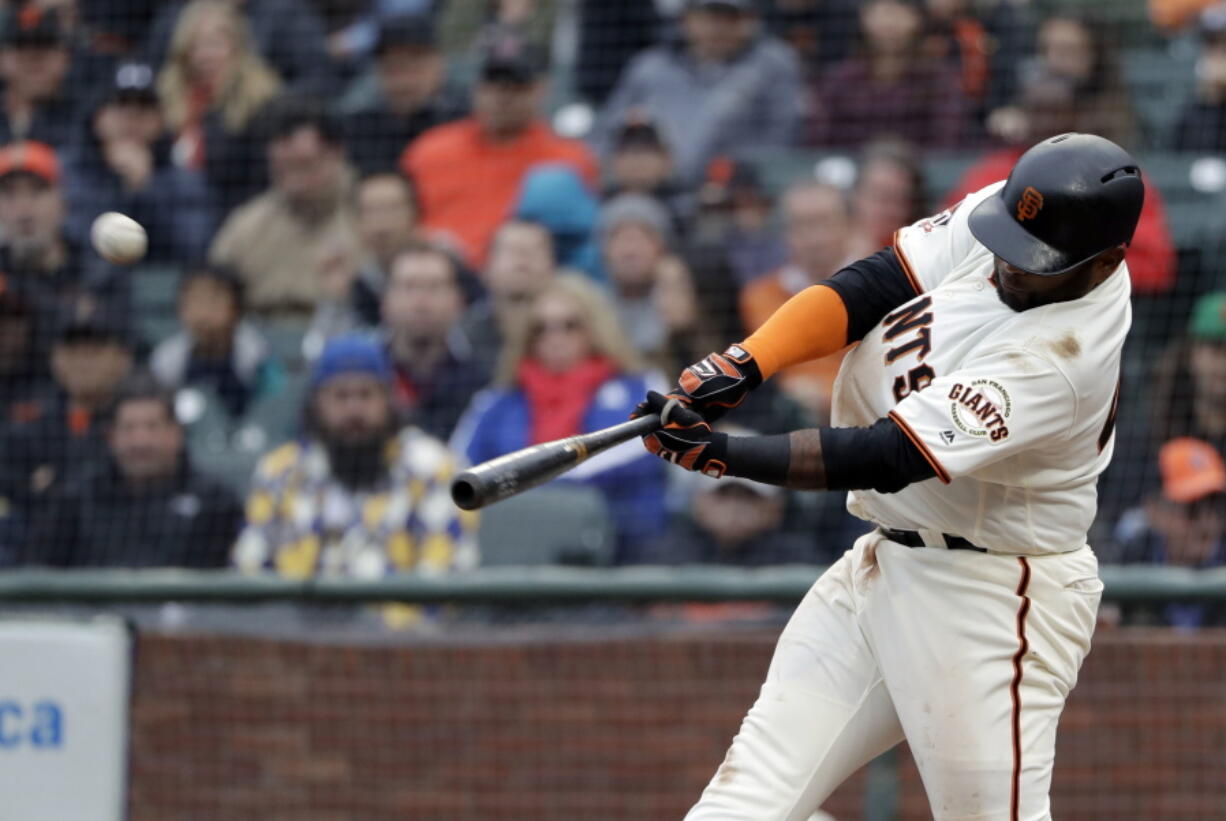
(981, 409)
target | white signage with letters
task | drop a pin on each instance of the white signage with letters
(64, 689)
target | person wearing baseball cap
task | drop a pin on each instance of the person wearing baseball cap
(641, 161)
(725, 88)
(91, 354)
(358, 494)
(1182, 524)
(468, 172)
(144, 504)
(38, 251)
(37, 103)
(411, 94)
(1202, 123)
(123, 163)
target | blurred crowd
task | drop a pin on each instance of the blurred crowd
(389, 238)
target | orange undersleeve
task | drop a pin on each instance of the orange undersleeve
(811, 324)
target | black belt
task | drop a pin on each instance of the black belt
(912, 538)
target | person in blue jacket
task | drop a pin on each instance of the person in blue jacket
(568, 369)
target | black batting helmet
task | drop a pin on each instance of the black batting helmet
(1066, 200)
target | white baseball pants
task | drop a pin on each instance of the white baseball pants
(969, 656)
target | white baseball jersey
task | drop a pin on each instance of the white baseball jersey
(1014, 410)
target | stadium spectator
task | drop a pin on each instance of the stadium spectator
(658, 302)
(521, 264)
(53, 268)
(817, 224)
(287, 34)
(1047, 107)
(1182, 525)
(1190, 384)
(1074, 49)
(23, 358)
(821, 31)
(738, 522)
(1202, 124)
(285, 242)
(359, 495)
(62, 438)
(554, 196)
(217, 349)
(569, 369)
(212, 85)
(955, 35)
(465, 26)
(468, 172)
(891, 87)
(433, 363)
(1173, 15)
(35, 60)
(145, 505)
(640, 161)
(888, 193)
(726, 88)
(407, 97)
(735, 221)
(123, 163)
(636, 240)
(386, 213)
(353, 27)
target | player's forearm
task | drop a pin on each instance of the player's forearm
(879, 457)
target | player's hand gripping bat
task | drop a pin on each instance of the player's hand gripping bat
(516, 472)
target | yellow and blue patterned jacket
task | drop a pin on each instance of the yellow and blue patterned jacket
(302, 522)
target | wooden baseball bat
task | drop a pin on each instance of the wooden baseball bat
(516, 472)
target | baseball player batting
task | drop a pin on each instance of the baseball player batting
(970, 425)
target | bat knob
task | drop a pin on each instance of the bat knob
(464, 492)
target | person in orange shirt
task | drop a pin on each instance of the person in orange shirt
(817, 227)
(468, 172)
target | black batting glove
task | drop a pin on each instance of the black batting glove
(686, 438)
(718, 382)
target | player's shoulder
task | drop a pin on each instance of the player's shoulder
(1081, 343)
(938, 245)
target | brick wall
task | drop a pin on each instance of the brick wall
(233, 728)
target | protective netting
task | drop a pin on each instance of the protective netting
(530, 212)
(389, 237)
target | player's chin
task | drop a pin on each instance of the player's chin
(1015, 301)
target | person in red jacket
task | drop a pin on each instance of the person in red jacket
(468, 172)
(1046, 108)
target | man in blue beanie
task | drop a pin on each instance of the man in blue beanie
(358, 494)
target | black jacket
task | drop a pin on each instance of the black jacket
(173, 205)
(375, 137)
(98, 521)
(37, 457)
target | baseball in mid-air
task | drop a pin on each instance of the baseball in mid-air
(118, 239)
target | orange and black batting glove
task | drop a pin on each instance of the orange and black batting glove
(718, 382)
(686, 438)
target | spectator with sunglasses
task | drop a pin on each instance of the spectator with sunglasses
(567, 368)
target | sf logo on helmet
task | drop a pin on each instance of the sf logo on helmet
(1030, 204)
